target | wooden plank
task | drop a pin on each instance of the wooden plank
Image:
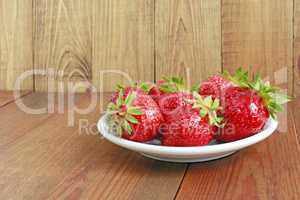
(62, 42)
(123, 42)
(44, 158)
(15, 43)
(297, 64)
(13, 125)
(259, 34)
(188, 38)
(7, 97)
(262, 171)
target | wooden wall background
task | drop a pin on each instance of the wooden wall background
(148, 39)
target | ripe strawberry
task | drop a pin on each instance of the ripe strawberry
(214, 86)
(189, 130)
(248, 106)
(244, 112)
(141, 88)
(155, 91)
(193, 128)
(172, 105)
(172, 98)
(135, 115)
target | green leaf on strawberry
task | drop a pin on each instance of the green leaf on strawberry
(131, 119)
(203, 112)
(123, 113)
(145, 86)
(126, 126)
(111, 107)
(134, 111)
(129, 99)
(120, 99)
(239, 78)
(207, 107)
(172, 84)
(165, 87)
(195, 88)
(119, 87)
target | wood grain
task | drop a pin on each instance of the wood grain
(62, 42)
(15, 43)
(7, 97)
(268, 170)
(296, 72)
(259, 34)
(188, 38)
(11, 114)
(123, 42)
(43, 158)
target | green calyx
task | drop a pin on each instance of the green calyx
(119, 87)
(123, 113)
(271, 96)
(195, 88)
(240, 77)
(209, 107)
(172, 84)
(145, 86)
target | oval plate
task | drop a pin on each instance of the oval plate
(185, 154)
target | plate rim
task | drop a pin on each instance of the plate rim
(193, 150)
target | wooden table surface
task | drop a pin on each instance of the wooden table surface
(44, 158)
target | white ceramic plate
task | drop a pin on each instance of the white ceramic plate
(185, 154)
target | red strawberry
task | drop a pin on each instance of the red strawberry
(125, 91)
(193, 128)
(141, 88)
(214, 86)
(189, 130)
(172, 105)
(244, 112)
(172, 98)
(155, 91)
(135, 115)
(247, 106)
